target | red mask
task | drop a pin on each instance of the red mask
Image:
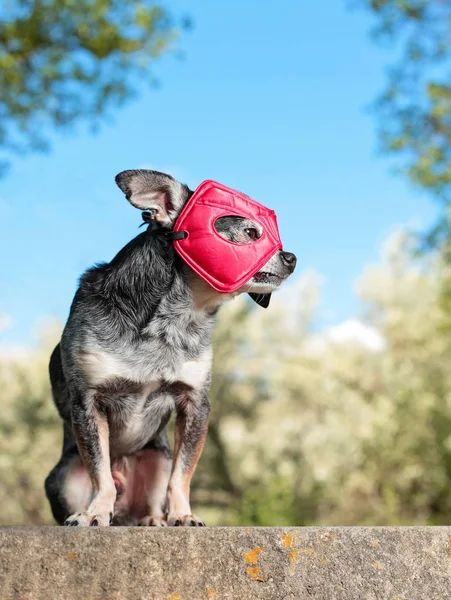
(223, 264)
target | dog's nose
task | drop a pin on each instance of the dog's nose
(289, 260)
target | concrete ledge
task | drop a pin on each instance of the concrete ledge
(367, 563)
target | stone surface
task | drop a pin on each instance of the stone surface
(362, 563)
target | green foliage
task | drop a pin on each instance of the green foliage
(415, 109)
(30, 436)
(66, 60)
(339, 433)
(304, 429)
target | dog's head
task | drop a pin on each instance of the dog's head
(164, 198)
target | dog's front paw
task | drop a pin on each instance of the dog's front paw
(185, 521)
(153, 522)
(85, 519)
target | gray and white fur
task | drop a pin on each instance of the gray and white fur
(136, 347)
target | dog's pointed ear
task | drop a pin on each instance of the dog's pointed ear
(156, 192)
(261, 299)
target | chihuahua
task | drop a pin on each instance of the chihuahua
(137, 346)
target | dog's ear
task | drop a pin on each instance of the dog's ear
(261, 299)
(156, 192)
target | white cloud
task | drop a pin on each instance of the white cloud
(14, 352)
(10, 351)
(352, 332)
(6, 322)
(355, 332)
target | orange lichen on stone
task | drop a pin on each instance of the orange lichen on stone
(211, 594)
(378, 566)
(375, 543)
(254, 572)
(287, 540)
(175, 596)
(71, 556)
(251, 557)
(293, 556)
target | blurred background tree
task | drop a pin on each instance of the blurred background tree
(306, 428)
(63, 61)
(339, 431)
(30, 436)
(414, 110)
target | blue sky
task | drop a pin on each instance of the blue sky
(273, 102)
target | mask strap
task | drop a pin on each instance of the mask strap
(157, 231)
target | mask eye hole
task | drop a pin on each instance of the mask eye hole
(238, 230)
(252, 233)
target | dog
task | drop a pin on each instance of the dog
(136, 347)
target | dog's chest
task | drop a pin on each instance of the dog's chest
(139, 393)
(173, 347)
(136, 417)
(147, 364)
(138, 383)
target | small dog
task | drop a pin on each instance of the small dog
(137, 346)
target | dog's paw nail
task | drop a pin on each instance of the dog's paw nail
(94, 523)
(177, 523)
(71, 523)
(201, 524)
(193, 523)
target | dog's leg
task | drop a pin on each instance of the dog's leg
(141, 481)
(190, 432)
(153, 469)
(91, 433)
(68, 485)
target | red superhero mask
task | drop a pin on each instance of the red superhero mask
(223, 264)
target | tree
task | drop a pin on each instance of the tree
(324, 432)
(62, 61)
(30, 433)
(414, 110)
(304, 429)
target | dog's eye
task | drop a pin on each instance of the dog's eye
(251, 232)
